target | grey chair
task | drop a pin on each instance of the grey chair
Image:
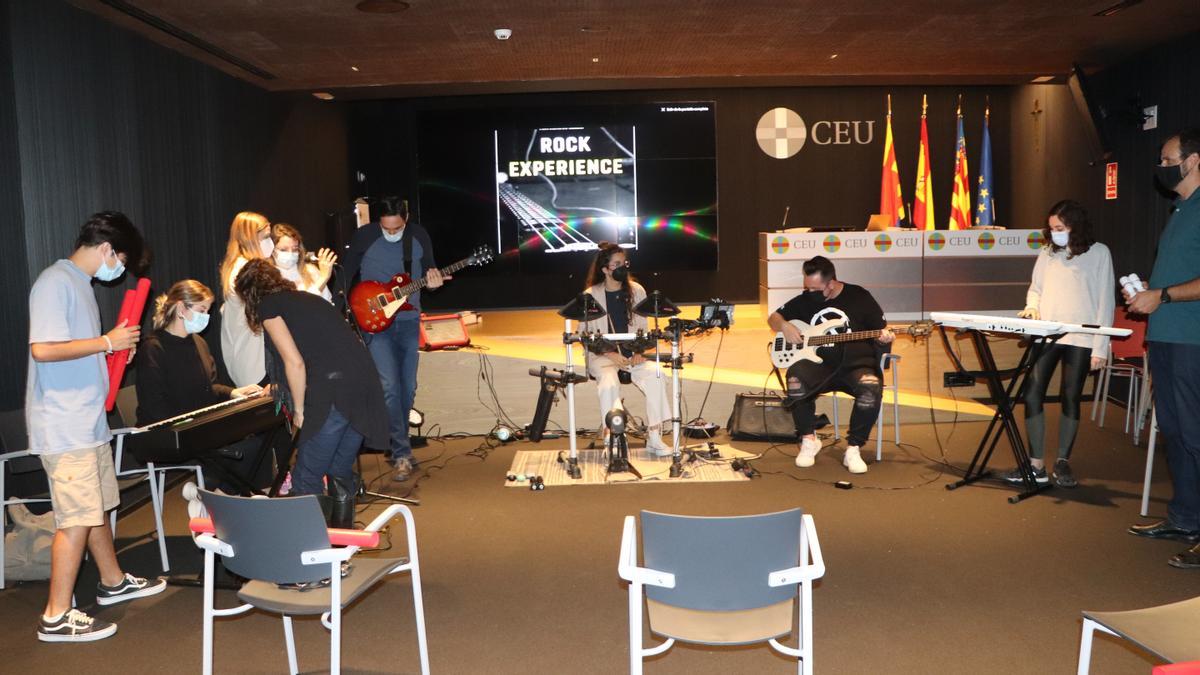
(284, 541)
(722, 581)
(16, 460)
(1170, 632)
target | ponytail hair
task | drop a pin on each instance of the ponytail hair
(189, 291)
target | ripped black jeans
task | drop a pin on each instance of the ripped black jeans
(807, 380)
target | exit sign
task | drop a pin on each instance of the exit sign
(1110, 180)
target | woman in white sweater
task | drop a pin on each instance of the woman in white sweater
(1073, 282)
(242, 349)
(614, 289)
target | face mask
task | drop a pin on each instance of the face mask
(393, 238)
(107, 273)
(287, 259)
(197, 322)
(266, 246)
(621, 273)
(1060, 238)
(1170, 176)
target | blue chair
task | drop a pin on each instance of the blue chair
(274, 542)
(722, 581)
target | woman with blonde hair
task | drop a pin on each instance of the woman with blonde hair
(242, 348)
(291, 259)
(176, 372)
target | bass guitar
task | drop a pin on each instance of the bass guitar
(376, 304)
(784, 353)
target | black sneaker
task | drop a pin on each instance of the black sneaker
(1063, 477)
(75, 626)
(130, 587)
(1015, 476)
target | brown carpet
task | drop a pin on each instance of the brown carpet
(919, 580)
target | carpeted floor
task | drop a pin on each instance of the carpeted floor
(919, 579)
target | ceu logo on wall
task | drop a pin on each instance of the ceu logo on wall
(986, 241)
(1035, 240)
(883, 243)
(832, 243)
(781, 133)
(937, 240)
(779, 245)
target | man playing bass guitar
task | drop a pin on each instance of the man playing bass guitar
(851, 366)
(378, 251)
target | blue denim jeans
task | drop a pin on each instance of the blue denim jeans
(1176, 372)
(330, 452)
(395, 353)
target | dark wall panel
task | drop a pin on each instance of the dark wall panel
(105, 119)
(14, 273)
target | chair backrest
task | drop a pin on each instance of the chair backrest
(1134, 346)
(268, 535)
(721, 564)
(127, 406)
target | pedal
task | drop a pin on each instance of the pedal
(954, 379)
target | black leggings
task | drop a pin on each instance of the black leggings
(1076, 363)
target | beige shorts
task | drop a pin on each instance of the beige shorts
(83, 486)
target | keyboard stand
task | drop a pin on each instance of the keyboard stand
(1005, 401)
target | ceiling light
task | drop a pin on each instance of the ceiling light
(1118, 8)
(832, 56)
(354, 68)
(594, 29)
(595, 59)
(1043, 79)
(381, 6)
(323, 95)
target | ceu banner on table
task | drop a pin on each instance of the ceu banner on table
(911, 273)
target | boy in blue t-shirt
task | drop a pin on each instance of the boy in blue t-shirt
(64, 408)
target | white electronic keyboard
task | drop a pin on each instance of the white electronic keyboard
(1012, 324)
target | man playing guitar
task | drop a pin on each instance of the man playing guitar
(378, 251)
(851, 367)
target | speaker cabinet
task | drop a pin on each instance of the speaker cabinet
(441, 331)
(761, 417)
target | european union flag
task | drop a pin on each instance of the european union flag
(985, 203)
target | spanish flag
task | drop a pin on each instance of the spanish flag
(923, 217)
(960, 198)
(891, 201)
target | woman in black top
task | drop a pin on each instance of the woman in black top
(323, 374)
(176, 372)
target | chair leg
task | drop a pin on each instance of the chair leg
(635, 628)
(1085, 647)
(3, 524)
(837, 433)
(879, 434)
(805, 629)
(335, 619)
(1149, 462)
(1131, 403)
(896, 399)
(156, 499)
(1106, 379)
(290, 639)
(1096, 393)
(207, 630)
(419, 608)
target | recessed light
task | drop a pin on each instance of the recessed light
(594, 29)
(595, 59)
(1043, 79)
(354, 68)
(381, 6)
(833, 56)
(323, 95)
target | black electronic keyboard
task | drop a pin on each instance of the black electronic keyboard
(188, 436)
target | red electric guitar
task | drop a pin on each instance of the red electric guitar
(376, 304)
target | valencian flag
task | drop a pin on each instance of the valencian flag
(985, 204)
(891, 202)
(922, 215)
(960, 197)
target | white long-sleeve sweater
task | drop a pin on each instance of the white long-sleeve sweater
(1075, 290)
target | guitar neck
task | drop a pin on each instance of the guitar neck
(844, 337)
(418, 284)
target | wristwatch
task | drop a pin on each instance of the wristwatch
(1165, 296)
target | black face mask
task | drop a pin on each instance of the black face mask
(1170, 176)
(621, 273)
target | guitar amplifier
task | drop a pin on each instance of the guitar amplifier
(761, 417)
(439, 331)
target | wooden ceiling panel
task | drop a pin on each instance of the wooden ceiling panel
(312, 44)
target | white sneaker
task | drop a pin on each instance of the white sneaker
(809, 447)
(853, 461)
(655, 445)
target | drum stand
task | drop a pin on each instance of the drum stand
(569, 339)
(675, 329)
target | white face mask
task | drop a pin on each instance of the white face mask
(1060, 237)
(393, 238)
(197, 322)
(266, 246)
(287, 259)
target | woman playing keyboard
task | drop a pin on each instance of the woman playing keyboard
(176, 372)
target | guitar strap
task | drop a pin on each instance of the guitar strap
(406, 251)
